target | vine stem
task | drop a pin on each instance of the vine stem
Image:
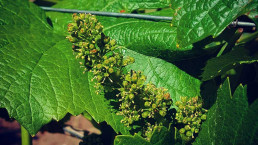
(26, 138)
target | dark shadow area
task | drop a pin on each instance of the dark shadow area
(44, 3)
(10, 137)
(209, 92)
(4, 115)
(49, 22)
(56, 127)
(106, 138)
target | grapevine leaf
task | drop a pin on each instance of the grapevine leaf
(220, 65)
(100, 109)
(164, 74)
(60, 20)
(130, 140)
(150, 38)
(113, 5)
(40, 79)
(160, 136)
(196, 20)
(222, 127)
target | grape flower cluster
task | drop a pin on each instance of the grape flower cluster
(98, 53)
(140, 103)
(190, 115)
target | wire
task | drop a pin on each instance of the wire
(138, 16)
(111, 14)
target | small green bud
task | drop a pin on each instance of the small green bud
(122, 107)
(147, 104)
(82, 31)
(145, 114)
(133, 86)
(182, 130)
(111, 70)
(154, 106)
(98, 27)
(72, 39)
(192, 129)
(106, 74)
(128, 78)
(76, 17)
(123, 93)
(112, 59)
(130, 120)
(105, 57)
(106, 62)
(91, 46)
(192, 108)
(134, 78)
(72, 27)
(189, 133)
(194, 123)
(82, 16)
(196, 130)
(187, 127)
(162, 113)
(184, 121)
(106, 40)
(131, 96)
(125, 83)
(204, 117)
(99, 66)
(125, 62)
(113, 42)
(99, 78)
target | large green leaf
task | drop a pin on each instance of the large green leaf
(40, 79)
(60, 20)
(151, 38)
(230, 120)
(160, 136)
(219, 65)
(196, 20)
(164, 74)
(113, 5)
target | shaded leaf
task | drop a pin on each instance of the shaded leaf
(220, 65)
(227, 119)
